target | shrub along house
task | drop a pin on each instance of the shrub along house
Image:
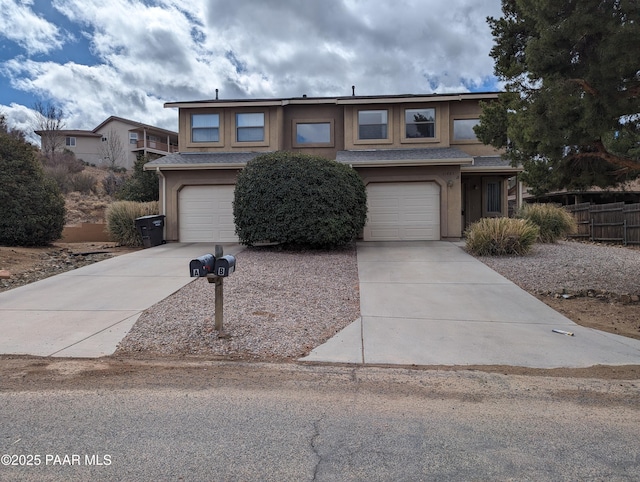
(427, 175)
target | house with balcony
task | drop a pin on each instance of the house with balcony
(116, 141)
(427, 175)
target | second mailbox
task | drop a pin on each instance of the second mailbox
(225, 265)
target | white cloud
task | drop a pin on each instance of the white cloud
(19, 24)
(152, 52)
(21, 118)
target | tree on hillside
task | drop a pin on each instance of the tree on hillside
(570, 113)
(142, 186)
(112, 151)
(48, 124)
(32, 208)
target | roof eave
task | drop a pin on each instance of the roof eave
(491, 169)
(194, 167)
(408, 162)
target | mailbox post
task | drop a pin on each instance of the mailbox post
(215, 267)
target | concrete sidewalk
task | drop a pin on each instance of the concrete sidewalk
(87, 311)
(430, 303)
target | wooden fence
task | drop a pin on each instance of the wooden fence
(615, 222)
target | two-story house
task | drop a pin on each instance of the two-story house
(427, 175)
(116, 141)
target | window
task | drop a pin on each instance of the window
(205, 128)
(420, 123)
(70, 142)
(250, 127)
(313, 133)
(133, 138)
(463, 129)
(494, 197)
(372, 124)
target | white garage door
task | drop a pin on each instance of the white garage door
(206, 214)
(403, 211)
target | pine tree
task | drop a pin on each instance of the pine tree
(32, 208)
(570, 113)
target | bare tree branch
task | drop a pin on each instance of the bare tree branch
(111, 150)
(48, 123)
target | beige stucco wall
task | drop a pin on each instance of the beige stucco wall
(321, 113)
(86, 149)
(447, 177)
(273, 130)
(121, 129)
(396, 127)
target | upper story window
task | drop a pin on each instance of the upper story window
(463, 129)
(313, 133)
(205, 127)
(250, 127)
(133, 138)
(70, 142)
(420, 123)
(373, 124)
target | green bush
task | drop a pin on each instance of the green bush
(299, 201)
(121, 220)
(554, 221)
(32, 207)
(142, 186)
(501, 236)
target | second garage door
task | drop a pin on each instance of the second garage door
(403, 211)
(206, 214)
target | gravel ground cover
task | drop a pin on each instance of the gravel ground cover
(277, 305)
(572, 267)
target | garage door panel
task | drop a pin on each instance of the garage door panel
(206, 214)
(403, 211)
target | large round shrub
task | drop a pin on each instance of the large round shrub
(298, 200)
(32, 207)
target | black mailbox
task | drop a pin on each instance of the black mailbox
(202, 266)
(225, 266)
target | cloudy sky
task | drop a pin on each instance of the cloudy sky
(96, 58)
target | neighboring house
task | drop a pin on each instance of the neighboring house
(427, 175)
(117, 142)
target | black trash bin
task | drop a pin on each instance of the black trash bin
(151, 229)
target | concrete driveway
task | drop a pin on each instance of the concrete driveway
(87, 311)
(430, 303)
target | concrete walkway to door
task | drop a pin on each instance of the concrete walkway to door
(431, 303)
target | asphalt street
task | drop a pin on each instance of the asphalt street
(227, 422)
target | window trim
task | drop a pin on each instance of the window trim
(421, 140)
(356, 126)
(302, 145)
(265, 129)
(70, 141)
(133, 138)
(191, 142)
(453, 132)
